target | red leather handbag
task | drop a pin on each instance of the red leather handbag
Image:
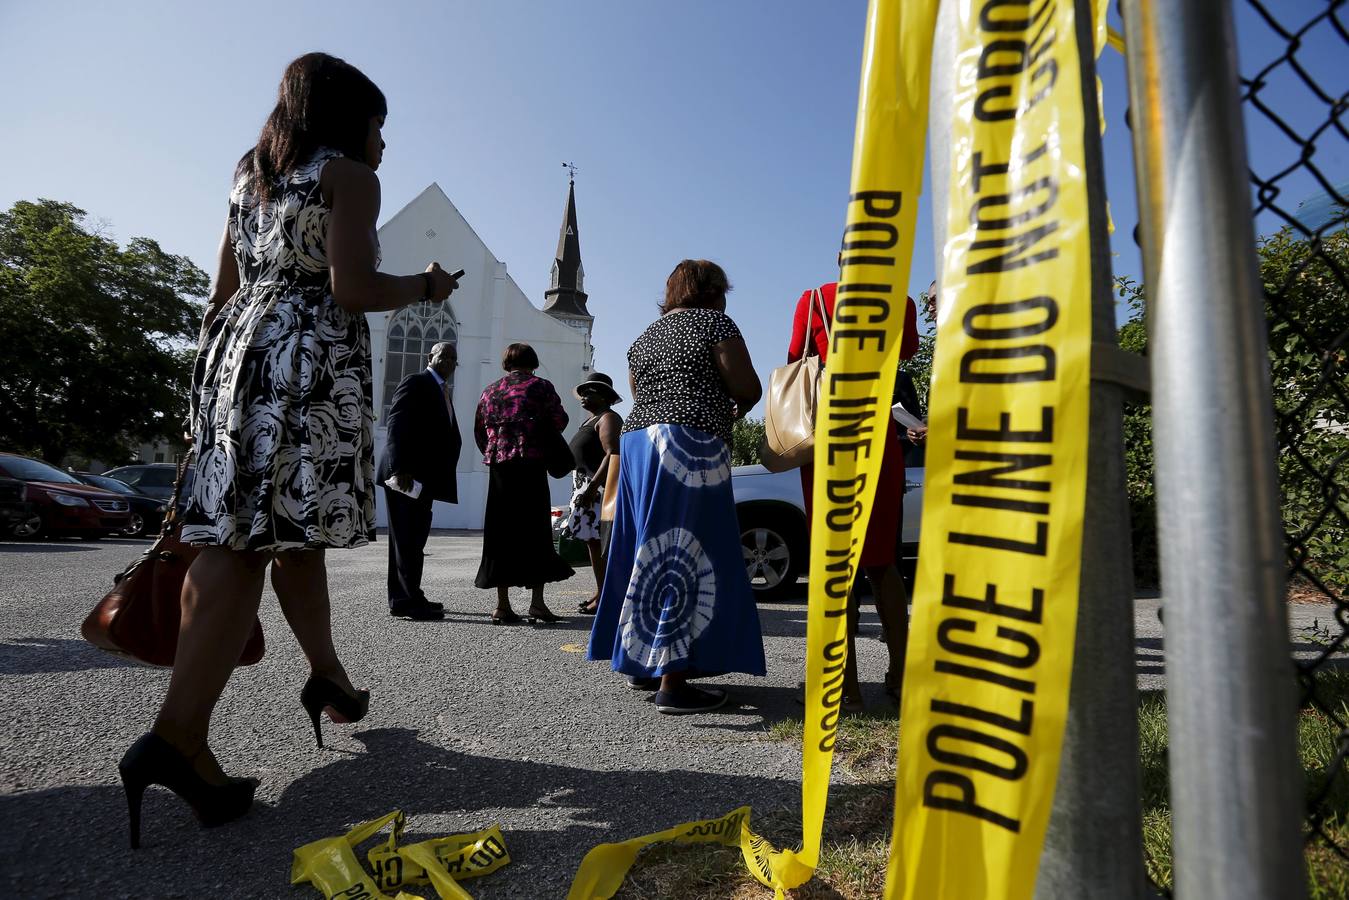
(139, 616)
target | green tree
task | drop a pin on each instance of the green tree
(746, 439)
(97, 337)
(1307, 311)
(1138, 469)
(919, 366)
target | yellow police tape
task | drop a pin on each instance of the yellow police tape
(995, 606)
(1009, 397)
(330, 863)
(850, 425)
(1113, 37)
(991, 645)
(604, 867)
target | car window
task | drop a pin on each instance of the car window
(157, 478)
(26, 469)
(111, 484)
(127, 476)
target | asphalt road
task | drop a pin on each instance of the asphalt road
(469, 725)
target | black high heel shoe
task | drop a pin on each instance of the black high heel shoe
(153, 760)
(319, 694)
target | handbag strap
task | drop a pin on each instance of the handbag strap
(171, 514)
(816, 297)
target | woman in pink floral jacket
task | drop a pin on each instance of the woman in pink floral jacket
(515, 416)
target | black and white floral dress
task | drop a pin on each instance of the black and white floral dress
(281, 396)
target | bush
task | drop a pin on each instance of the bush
(1307, 310)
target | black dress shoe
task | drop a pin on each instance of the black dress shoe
(418, 612)
(408, 604)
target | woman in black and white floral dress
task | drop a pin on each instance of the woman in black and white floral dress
(281, 417)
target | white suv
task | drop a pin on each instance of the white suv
(773, 533)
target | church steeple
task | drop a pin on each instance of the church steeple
(566, 297)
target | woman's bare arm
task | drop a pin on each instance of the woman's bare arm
(607, 429)
(737, 372)
(352, 192)
(226, 280)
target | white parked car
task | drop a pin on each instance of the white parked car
(773, 533)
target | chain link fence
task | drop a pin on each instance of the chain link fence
(1295, 115)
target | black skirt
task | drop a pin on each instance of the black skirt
(517, 536)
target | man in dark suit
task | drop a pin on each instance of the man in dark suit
(420, 457)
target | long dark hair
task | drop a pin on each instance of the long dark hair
(322, 102)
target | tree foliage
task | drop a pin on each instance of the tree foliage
(97, 337)
(1307, 312)
(746, 439)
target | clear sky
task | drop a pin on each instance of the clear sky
(705, 128)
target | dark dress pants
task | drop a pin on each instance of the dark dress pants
(409, 527)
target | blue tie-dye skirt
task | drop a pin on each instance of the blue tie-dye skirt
(676, 595)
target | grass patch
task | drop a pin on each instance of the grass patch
(1327, 870)
(856, 845)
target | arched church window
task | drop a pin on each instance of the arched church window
(580, 277)
(555, 277)
(413, 331)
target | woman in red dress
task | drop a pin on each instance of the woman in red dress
(878, 551)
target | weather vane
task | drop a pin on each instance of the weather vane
(571, 170)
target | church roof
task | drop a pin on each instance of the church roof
(564, 296)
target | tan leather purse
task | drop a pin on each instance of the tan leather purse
(793, 397)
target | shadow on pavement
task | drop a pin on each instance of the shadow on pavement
(82, 850)
(34, 656)
(568, 623)
(1148, 656)
(44, 548)
(766, 705)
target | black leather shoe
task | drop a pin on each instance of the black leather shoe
(418, 612)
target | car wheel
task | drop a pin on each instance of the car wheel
(31, 527)
(136, 527)
(772, 555)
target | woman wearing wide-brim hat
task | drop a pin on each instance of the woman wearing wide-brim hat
(594, 446)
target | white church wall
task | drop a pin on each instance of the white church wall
(490, 311)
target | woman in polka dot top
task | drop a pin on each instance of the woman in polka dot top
(677, 600)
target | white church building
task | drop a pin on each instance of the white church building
(485, 314)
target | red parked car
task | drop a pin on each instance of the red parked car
(62, 504)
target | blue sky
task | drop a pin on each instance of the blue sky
(705, 128)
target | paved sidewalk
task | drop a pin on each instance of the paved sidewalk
(469, 725)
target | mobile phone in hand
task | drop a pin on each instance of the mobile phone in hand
(457, 274)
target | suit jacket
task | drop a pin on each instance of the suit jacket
(422, 438)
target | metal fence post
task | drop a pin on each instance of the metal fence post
(1235, 791)
(1094, 845)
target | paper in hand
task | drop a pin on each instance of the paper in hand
(906, 418)
(414, 493)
